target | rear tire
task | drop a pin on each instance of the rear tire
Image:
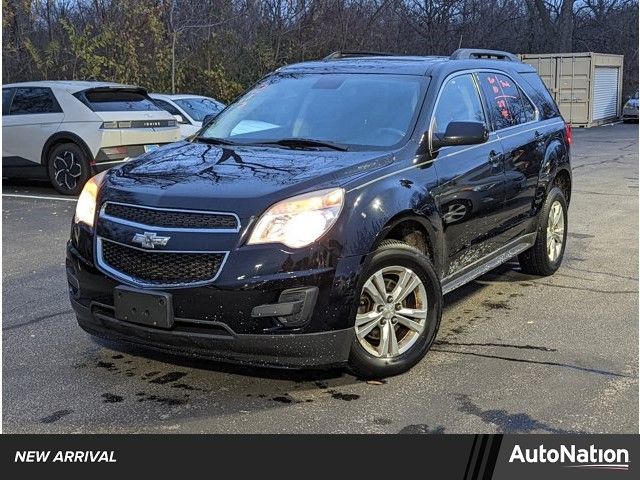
(395, 326)
(545, 256)
(68, 168)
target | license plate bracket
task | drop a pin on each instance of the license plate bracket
(154, 309)
(150, 147)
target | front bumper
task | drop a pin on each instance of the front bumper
(322, 349)
(219, 321)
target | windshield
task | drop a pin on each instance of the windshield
(354, 110)
(198, 108)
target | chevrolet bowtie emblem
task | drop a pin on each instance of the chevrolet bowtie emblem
(150, 240)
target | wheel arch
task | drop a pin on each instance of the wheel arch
(415, 230)
(562, 179)
(59, 138)
(555, 167)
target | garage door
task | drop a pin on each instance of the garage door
(605, 93)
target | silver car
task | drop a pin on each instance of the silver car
(630, 109)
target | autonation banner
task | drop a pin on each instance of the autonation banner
(464, 457)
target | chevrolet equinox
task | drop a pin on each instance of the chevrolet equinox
(320, 218)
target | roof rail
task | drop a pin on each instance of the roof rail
(350, 54)
(477, 54)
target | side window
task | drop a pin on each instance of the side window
(459, 102)
(34, 100)
(166, 106)
(7, 93)
(508, 106)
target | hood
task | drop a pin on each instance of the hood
(244, 180)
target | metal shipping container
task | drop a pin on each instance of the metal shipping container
(586, 86)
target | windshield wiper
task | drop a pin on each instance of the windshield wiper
(214, 141)
(306, 142)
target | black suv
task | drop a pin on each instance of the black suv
(320, 218)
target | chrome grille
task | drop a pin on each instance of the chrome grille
(171, 218)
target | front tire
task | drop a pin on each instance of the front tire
(545, 256)
(68, 168)
(399, 311)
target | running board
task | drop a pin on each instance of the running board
(491, 261)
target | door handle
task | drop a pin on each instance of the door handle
(537, 134)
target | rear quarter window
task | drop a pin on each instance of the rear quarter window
(119, 101)
(537, 90)
(31, 100)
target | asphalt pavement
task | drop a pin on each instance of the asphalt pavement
(515, 353)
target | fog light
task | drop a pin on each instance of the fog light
(307, 297)
(294, 307)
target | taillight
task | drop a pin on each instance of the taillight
(567, 130)
(113, 124)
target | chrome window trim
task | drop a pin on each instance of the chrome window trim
(122, 221)
(474, 73)
(445, 155)
(112, 272)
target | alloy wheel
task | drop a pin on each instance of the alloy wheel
(392, 312)
(66, 169)
(555, 231)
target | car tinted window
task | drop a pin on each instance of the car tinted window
(508, 106)
(6, 100)
(536, 89)
(119, 101)
(167, 106)
(33, 100)
(459, 102)
(357, 110)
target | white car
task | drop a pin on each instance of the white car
(67, 130)
(188, 110)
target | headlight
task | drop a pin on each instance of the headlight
(299, 221)
(86, 206)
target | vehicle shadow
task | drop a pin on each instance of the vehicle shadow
(267, 373)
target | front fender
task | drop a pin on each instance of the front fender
(377, 207)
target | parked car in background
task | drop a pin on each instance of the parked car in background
(630, 110)
(189, 110)
(67, 130)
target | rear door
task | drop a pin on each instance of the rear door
(515, 119)
(33, 116)
(470, 195)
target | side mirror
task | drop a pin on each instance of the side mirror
(180, 119)
(209, 118)
(461, 133)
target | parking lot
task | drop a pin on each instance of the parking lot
(515, 353)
